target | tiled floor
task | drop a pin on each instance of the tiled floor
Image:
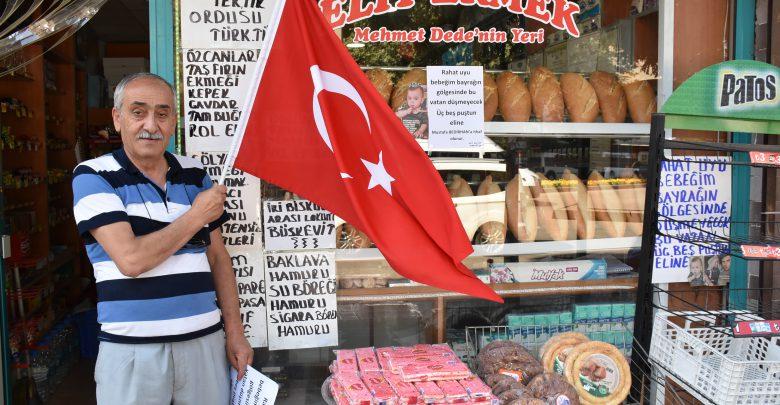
(78, 387)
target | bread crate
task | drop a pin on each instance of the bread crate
(722, 369)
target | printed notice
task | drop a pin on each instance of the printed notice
(301, 300)
(455, 107)
(297, 224)
(254, 389)
(215, 88)
(241, 24)
(695, 193)
(250, 280)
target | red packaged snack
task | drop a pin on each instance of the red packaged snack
(407, 393)
(366, 359)
(346, 360)
(354, 390)
(435, 372)
(430, 392)
(476, 389)
(454, 393)
(383, 355)
(380, 389)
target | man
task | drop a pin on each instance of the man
(151, 224)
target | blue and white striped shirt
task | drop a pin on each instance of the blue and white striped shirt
(176, 300)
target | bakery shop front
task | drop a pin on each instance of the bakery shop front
(536, 115)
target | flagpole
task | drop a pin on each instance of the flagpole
(250, 99)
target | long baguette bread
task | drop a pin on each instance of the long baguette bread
(628, 196)
(611, 220)
(612, 98)
(579, 205)
(521, 211)
(491, 232)
(546, 95)
(458, 187)
(399, 92)
(382, 81)
(553, 218)
(490, 95)
(580, 98)
(514, 100)
(641, 100)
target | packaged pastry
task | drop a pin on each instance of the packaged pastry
(380, 389)
(551, 211)
(599, 373)
(579, 205)
(346, 360)
(611, 220)
(553, 389)
(406, 392)
(367, 360)
(558, 348)
(454, 393)
(476, 388)
(354, 389)
(430, 392)
(438, 371)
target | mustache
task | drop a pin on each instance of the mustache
(146, 135)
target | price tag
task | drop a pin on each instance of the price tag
(757, 328)
(761, 252)
(765, 158)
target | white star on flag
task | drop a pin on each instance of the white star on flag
(379, 175)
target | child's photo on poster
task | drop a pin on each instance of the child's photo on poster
(414, 111)
(711, 270)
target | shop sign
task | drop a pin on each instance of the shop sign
(694, 204)
(225, 24)
(301, 296)
(297, 224)
(456, 111)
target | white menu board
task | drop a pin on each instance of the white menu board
(225, 24)
(297, 224)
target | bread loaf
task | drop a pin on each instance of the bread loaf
(458, 187)
(553, 389)
(514, 100)
(599, 373)
(399, 92)
(641, 100)
(490, 95)
(546, 95)
(554, 358)
(521, 211)
(579, 205)
(382, 81)
(628, 196)
(580, 98)
(611, 220)
(612, 98)
(553, 219)
(491, 232)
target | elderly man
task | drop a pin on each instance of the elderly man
(151, 224)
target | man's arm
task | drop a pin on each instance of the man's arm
(239, 351)
(136, 255)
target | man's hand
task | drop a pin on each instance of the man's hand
(239, 352)
(210, 203)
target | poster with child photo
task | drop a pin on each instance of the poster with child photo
(709, 270)
(414, 111)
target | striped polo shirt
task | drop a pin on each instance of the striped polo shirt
(176, 300)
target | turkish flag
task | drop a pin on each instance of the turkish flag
(317, 127)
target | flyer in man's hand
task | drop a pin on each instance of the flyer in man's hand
(254, 389)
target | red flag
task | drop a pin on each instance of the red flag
(317, 127)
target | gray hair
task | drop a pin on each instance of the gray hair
(119, 91)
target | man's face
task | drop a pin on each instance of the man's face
(726, 263)
(414, 98)
(146, 120)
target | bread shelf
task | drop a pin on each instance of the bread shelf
(619, 284)
(516, 249)
(567, 129)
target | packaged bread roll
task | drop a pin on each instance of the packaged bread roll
(546, 95)
(490, 95)
(610, 217)
(612, 98)
(458, 187)
(399, 92)
(633, 206)
(521, 211)
(492, 232)
(580, 98)
(599, 373)
(579, 205)
(553, 218)
(514, 100)
(641, 100)
(382, 81)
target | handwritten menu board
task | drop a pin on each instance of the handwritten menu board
(301, 300)
(297, 224)
(225, 24)
(250, 280)
(696, 189)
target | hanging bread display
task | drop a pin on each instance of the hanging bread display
(610, 217)
(553, 219)
(399, 92)
(492, 232)
(641, 100)
(349, 237)
(546, 95)
(521, 211)
(490, 95)
(382, 81)
(628, 194)
(458, 187)
(612, 98)
(579, 205)
(581, 101)
(599, 373)
(556, 350)
(514, 100)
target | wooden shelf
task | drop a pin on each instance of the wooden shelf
(511, 290)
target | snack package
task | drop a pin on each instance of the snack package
(455, 370)
(478, 391)
(383, 355)
(454, 393)
(406, 392)
(366, 359)
(380, 389)
(430, 392)
(345, 361)
(355, 391)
